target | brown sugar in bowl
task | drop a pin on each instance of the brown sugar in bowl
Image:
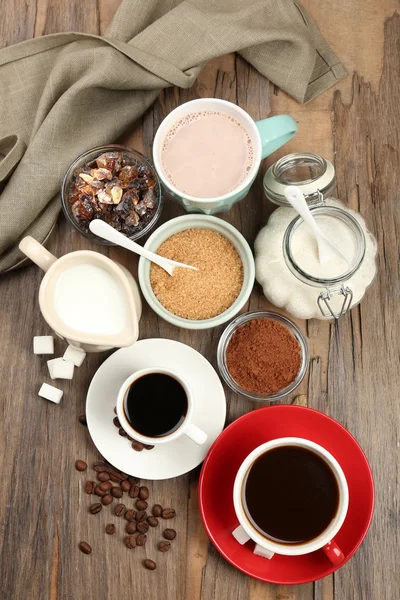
(265, 374)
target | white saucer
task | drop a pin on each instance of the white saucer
(172, 458)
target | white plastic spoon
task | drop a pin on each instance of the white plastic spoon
(326, 248)
(110, 234)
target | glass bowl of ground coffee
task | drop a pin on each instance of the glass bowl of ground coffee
(263, 356)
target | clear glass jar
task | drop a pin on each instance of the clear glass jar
(335, 294)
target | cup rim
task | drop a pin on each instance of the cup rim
(242, 186)
(123, 420)
(328, 534)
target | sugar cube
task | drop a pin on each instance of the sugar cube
(60, 368)
(50, 393)
(240, 535)
(260, 551)
(75, 355)
(43, 344)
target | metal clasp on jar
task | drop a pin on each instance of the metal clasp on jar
(316, 199)
(325, 297)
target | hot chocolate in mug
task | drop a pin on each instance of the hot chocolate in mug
(268, 546)
(264, 137)
(86, 298)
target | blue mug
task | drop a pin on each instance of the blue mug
(266, 136)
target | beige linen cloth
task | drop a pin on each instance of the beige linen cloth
(64, 93)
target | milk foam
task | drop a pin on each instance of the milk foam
(207, 154)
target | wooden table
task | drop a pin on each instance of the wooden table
(353, 375)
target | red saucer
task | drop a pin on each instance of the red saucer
(219, 472)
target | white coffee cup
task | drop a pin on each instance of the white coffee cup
(187, 428)
(267, 547)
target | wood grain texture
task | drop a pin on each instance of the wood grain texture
(353, 376)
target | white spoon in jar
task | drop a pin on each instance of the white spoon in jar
(327, 250)
(105, 231)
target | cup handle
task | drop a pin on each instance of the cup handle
(333, 552)
(275, 132)
(195, 434)
(37, 253)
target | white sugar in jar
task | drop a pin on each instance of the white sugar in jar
(287, 263)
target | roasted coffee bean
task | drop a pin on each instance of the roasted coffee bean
(141, 539)
(169, 534)
(115, 409)
(149, 446)
(131, 527)
(116, 422)
(130, 514)
(157, 510)
(149, 564)
(131, 542)
(110, 528)
(99, 492)
(80, 465)
(164, 546)
(143, 492)
(133, 480)
(134, 491)
(95, 508)
(99, 467)
(138, 446)
(129, 438)
(85, 548)
(90, 486)
(105, 486)
(120, 510)
(82, 420)
(107, 499)
(143, 527)
(116, 477)
(168, 513)
(122, 432)
(125, 485)
(103, 476)
(117, 492)
(152, 521)
(141, 504)
(141, 515)
(124, 475)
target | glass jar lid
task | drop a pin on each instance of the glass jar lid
(313, 174)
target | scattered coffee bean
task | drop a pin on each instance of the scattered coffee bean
(103, 476)
(143, 527)
(152, 521)
(82, 420)
(138, 446)
(85, 548)
(80, 465)
(157, 510)
(149, 446)
(141, 539)
(110, 529)
(116, 422)
(131, 542)
(95, 508)
(107, 499)
(169, 534)
(115, 409)
(129, 438)
(131, 527)
(125, 485)
(168, 513)
(134, 491)
(105, 486)
(141, 515)
(99, 492)
(149, 564)
(117, 492)
(122, 432)
(116, 477)
(133, 480)
(130, 514)
(123, 475)
(90, 486)
(120, 510)
(99, 467)
(141, 504)
(164, 546)
(143, 492)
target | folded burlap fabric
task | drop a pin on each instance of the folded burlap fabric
(64, 93)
